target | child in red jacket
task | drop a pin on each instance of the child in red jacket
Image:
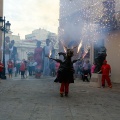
(22, 69)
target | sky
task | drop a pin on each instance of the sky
(28, 15)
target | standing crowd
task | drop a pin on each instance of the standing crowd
(83, 70)
(41, 64)
(37, 65)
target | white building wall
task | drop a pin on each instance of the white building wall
(12, 37)
(23, 48)
(39, 34)
(113, 54)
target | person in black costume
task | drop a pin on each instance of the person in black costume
(65, 72)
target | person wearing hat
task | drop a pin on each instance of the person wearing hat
(106, 71)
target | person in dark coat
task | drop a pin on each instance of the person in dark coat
(65, 72)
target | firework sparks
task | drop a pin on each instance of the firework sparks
(85, 53)
(64, 47)
(80, 45)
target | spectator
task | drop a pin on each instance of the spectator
(26, 67)
(34, 65)
(10, 68)
(1, 69)
(89, 68)
(93, 68)
(75, 65)
(30, 67)
(52, 68)
(80, 71)
(22, 69)
(17, 65)
(85, 70)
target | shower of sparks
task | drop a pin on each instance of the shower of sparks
(94, 15)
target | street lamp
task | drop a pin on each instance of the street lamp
(5, 27)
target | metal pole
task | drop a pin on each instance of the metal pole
(4, 30)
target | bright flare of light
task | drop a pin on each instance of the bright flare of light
(64, 47)
(80, 45)
(50, 53)
(74, 47)
(85, 53)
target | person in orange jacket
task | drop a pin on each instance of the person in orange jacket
(106, 71)
(10, 68)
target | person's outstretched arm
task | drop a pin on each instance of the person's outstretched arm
(76, 60)
(57, 60)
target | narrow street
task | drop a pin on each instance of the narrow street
(39, 99)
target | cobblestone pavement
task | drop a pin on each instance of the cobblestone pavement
(38, 99)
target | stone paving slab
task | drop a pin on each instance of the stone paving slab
(38, 99)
